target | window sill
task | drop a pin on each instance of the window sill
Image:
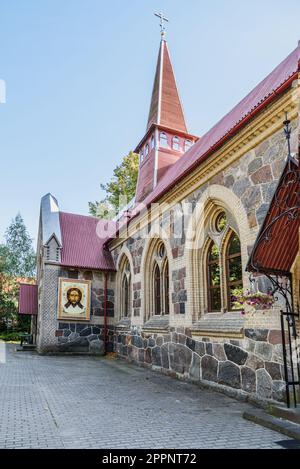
(229, 324)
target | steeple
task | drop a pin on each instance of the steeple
(166, 138)
(165, 107)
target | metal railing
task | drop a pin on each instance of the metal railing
(291, 359)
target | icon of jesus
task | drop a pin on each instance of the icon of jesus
(74, 305)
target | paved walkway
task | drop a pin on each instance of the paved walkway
(84, 402)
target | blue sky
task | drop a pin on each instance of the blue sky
(79, 76)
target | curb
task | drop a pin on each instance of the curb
(277, 424)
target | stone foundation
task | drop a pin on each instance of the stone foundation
(252, 364)
(82, 338)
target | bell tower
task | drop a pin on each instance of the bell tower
(166, 138)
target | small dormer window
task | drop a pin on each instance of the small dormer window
(175, 143)
(163, 141)
(146, 150)
(152, 142)
(187, 145)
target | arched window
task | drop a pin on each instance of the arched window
(175, 143)
(234, 274)
(146, 150)
(152, 142)
(141, 156)
(157, 290)
(166, 286)
(213, 278)
(158, 294)
(125, 288)
(187, 144)
(163, 141)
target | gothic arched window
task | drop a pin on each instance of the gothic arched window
(157, 290)
(125, 288)
(125, 284)
(234, 274)
(146, 150)
(213, 278)
(166, 286)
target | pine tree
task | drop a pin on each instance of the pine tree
(20, 258)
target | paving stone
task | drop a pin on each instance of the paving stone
(59, 402)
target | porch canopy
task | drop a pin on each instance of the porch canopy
(28, 299)
(277, 244)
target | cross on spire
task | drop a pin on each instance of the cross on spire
(162, 23)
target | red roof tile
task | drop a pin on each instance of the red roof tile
(82, 242)
(28, 299)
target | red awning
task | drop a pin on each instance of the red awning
(28, 299)
(277, 244)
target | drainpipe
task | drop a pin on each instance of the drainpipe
(105, 312)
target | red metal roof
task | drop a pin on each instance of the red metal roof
(165, 107)
(28, 299)
(278, 241)
(225, 128)
(271, 87)
(82, 242)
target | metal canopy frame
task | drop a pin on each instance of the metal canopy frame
(285, 207)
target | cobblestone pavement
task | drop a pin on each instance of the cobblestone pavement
(84, 402)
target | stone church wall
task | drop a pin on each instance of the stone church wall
(250, 365)
(74, 336)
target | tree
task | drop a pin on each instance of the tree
(119, 190)
(20, 257)
(17, 262)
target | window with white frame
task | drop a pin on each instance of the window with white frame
(163, 141)
(187, 144)
(152, 142)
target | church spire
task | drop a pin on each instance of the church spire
(166, 138)
(165, 108)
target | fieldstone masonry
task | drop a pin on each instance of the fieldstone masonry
(252, 364)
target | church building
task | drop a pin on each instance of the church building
(161, 285)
